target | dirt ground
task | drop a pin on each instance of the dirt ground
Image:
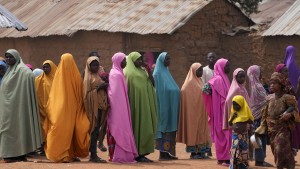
(183, 163)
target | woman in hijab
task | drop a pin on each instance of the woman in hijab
(43, 85)
(20, 131)
(193, 129)
(37, 72)
(278, 119)
(119, 117)
(237, 87)
(143, 106)
(257, 100)
(95, 102)
(68, 135)
(149, 60)
(3, 68)
(215, 105)
(168, 99)
(292, 90)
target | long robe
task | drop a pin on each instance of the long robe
(168, 97)
(193, 126)
(119, 118)
(68, 135)
(20, 131)
(215, 106)
(43, 85)
(142, 99)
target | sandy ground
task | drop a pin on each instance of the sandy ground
(183, 163)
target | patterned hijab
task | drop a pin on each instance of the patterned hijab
(257, 93)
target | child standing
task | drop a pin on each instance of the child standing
(240, 117)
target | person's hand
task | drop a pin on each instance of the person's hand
(285, 116)
(234, 115)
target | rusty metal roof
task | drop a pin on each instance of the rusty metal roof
(65, 17)
(8, 20)
(288, 24)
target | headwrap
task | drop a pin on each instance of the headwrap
(37, 72)
(278, 77)
(150, 59)
(29, 66)
(244, 114)
(279, 67)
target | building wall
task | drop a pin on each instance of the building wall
(37, 50)
(190, 43)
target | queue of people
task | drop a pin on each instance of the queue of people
(139, 107)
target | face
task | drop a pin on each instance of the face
(199, 71)
(236, 106)
(211, 58)
(285, 71)
(139, 62)
(241, 77)
(2, 70)
(10, 60)
(123, 63)
(167, 60)
(94, 66)
(227, 68)
(47, 68)
(275, 86)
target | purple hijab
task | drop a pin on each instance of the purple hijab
(293, 69)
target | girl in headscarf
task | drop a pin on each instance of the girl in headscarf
(149, 60)
(193, 129)
(43, 85)
(237, 87)
(143, 106)
(3, 68)
(168, 99)
(240, 117)
(119, 117)
(20, 131)
(278, 119)
(290, 89)
(68, 135)
(257, 100)
(215, 104)
(95, 102)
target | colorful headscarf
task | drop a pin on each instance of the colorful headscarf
(278, 77)
(257, 93)
(37, 72)
(244, 114)
(29, 66)
(291, 64)
(150, 59)
(235, 89)
(279, 67)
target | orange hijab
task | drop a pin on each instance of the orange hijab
(68, 135)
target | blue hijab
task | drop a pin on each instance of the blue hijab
(168, 97)
(5, 68)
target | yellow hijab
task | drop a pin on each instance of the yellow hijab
(43, 85)
(244, 114)
(68, 135)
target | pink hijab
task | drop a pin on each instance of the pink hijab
(235, 89)
(119, 117)
(150, 59)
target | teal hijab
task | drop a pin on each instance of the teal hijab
(20, 131)
(168, 97)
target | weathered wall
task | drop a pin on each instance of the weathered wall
(37, 50)
(191, 43)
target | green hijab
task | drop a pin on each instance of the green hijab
(142, 100)
(20, 131)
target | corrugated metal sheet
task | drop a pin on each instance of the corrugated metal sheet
(288, 24)
(65, 17)
(8, 20)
